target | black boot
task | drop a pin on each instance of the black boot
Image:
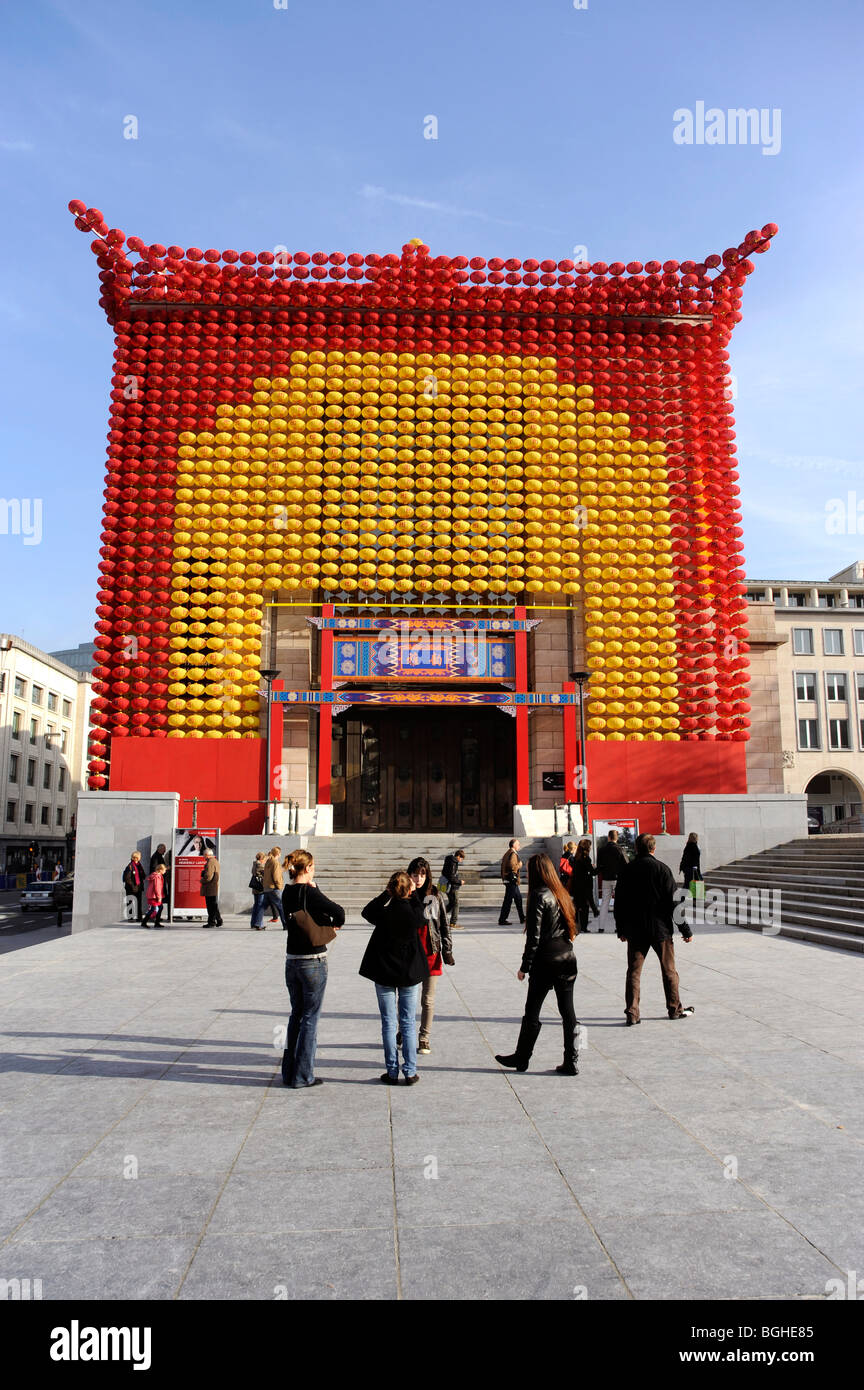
(528, 1035)
(570, 1065)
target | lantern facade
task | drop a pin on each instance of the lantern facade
(415, 434)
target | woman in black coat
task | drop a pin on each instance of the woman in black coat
(581, 884)
(689, 865)
(549, 963)
(394, 958)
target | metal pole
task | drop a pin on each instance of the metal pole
(663, 830)
(582, 758)
(194, 813)
(269, 823)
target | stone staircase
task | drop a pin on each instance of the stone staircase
(352, 869)
(821, 883)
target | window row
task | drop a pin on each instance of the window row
(29, 811)
(832, 641)
(37, 695)
(836, 685)
(55, 738)
(14, 763)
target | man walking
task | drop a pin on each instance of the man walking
(210, 889)
(611, 860)
(644, 906)
(274, 882)
(511, 866)
(450, 876)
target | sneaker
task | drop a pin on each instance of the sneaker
(389, 1080)
(685, 1013)
(412, 1080)
(424, 1049)
(631, 1022)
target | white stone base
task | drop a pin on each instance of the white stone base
(531, 824)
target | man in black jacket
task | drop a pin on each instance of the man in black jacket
(611, 862)
(644, 906)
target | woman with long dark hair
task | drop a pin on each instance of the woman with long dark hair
(581, 884)
(395, 960)
(690, 858)
(549, 963)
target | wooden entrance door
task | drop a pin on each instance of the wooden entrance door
(410, 770)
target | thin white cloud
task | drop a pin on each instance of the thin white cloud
(808, 463)
(374, 193)
(16, 146)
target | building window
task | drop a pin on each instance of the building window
(52, 700)
(20, 688)
(832, 641)
(856, 600)
(859, 682)
(838, 733)
(46, 777)
(59, 815)
(50, 731)
(16, 723)
(827, 600)
(858, 640)
(44, 815)
(67, 709)
(808, 733)
(64, 738)
(755, 595)
(13, 768)
(11, 810)
(802, 641)
(36, 697)
(31, 772)
(805, 685)
(797, 600)
(861, 731)
(835, 684)
(34, 730)
(28, 813)
(61, 780)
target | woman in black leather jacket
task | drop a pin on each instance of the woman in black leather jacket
(549, 963)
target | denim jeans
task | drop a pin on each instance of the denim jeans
(157, 908)
(273, 898)
(512, 894)
(404, 1001)
(257, 909)
(306, 981)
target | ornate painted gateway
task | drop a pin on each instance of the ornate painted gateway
(426, 491)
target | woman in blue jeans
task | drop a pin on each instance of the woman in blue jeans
(394, 958)
(305, 970)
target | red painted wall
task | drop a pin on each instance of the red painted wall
(647, 771)
(218, 767)
(233, 767)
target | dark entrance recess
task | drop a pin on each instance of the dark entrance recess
(423, 769)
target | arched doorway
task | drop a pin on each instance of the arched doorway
(832, 797)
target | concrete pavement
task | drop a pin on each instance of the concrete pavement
(149, 1150)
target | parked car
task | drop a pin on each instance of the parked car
(814, 825)
(48, 897)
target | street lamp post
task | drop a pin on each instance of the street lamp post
(581, 678)
(269, 674)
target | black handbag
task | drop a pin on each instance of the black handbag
(256, 883)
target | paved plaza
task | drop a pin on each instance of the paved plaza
(150, 1151)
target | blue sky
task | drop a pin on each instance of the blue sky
(304, 126)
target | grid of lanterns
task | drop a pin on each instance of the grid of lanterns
(203, 343)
